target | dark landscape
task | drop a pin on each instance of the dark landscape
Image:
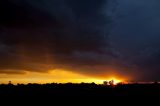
(85, 90)
(45, 41)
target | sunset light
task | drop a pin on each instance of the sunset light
(57, 76)
(115, 80)
(100, 49)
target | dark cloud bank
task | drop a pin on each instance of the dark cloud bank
(78, 35)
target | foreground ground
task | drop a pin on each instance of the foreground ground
(79, 90)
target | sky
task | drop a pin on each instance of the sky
(79, 40)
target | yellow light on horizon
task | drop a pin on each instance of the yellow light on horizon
(57, 76)
(116, 81)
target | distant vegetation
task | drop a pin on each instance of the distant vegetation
(91, 90)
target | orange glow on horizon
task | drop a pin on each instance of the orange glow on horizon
(57, 76)
(116, 81)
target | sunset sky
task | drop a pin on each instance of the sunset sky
(43, 41)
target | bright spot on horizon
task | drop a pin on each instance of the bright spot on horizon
(116, 81)
(56, 76)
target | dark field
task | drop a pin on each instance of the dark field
(79, 90)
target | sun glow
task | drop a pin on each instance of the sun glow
(116, 81)
(57, 76)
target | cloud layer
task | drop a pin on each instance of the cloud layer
(41, 35)
(136, 36)
(76, 35)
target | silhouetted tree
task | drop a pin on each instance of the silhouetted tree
(111, 82)
(9, 82)
(105, 83)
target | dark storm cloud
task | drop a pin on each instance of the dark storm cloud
(136, 36)
(44, 35)
(76, 35)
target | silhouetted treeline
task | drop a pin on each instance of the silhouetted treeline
(76, 90)
(78, 94)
